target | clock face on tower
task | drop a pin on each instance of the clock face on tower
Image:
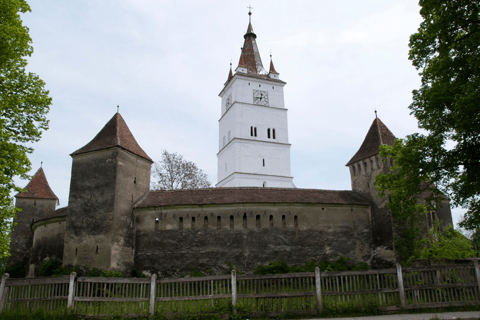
(260, 97)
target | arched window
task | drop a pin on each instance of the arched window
(255, 131)
(353, 169)
(284, 221)
(258, 221)
(245, 220)
(232, 225)
(219, 222)
(180, 223)
(268, 133)
(365, 166)
(371, 164)
(271, 221)
(295, 222)
(251, 131)
(273, 133)
(193, 223)
(205, 223)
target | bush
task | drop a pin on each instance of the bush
(18, 270)
(104, 273)
(278, 267)
(51, 267)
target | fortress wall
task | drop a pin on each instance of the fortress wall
(169, 242)
(48, 240)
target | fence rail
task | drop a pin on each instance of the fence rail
(312, 292)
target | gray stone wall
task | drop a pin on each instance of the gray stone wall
(171, 240)
(22, 234)
(48, 240)
(363, 174)
(104, 187)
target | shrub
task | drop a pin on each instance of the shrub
(277, 267)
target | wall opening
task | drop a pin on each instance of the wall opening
(273, 133)
(264, 184)
(232, 225)
(258, 221)
(135, 180)
(96, 250)
(264, 162)
(365, 166)
(219, 222)
(295, 222)
(251, 131)
(268, 133)
(271, 221)
(371, 164)
(353, 169)
(193, 223)
(284, 221)
(245, 220)
(255, 131)
(76, 251)
(180, 223)
(205, 223)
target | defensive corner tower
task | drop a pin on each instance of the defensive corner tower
(109, 175)
(253, 130)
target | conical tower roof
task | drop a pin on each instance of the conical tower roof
(250, 52)
(38, 188)
(114, 134)
(377, 135)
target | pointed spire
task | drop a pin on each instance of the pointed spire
(250, 52)
(38, 188)
(242, 63)
(230, 74)
(272, 68)
(377, 135)
(114, 134)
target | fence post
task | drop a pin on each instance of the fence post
(318, 289)
(401, 290)
(3, 297)
(234, 290)
(71, 290)
(153, 292)
(477, 274)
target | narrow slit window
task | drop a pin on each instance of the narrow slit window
(251, 131)
(232, 220)
(264, 162)
(219, 222)
(353, 169)
(268, 133)
(284, 221)
(273, 133)
(245, 220)
(295, 222)
(271, 221)
(193, 223)
(255, 131)
(258, 221)
(180, 223)
(205, 223)
(96, 250)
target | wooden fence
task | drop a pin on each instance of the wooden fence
(389, 290)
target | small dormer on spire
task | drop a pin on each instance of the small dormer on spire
(242, 66)
(272, 73)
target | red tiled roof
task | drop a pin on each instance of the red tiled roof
(249, 195)
(38, 188)
(114, 134)
(272, 68)
(377, 135)
(241, 63)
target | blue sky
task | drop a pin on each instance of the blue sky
(164, 63)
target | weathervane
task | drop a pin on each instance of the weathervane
(375, 113)
(250, 13)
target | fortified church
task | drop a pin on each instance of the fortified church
(253, 216)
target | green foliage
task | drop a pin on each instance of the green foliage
(137, 273)
(446, 244)
(104, 273)
(196, 273)
(231, 267)
(446, 160)
(52, 267)
(38, 315)
(281, 266)
(18, 269)
(24, 103)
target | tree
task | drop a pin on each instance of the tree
(173, 172)
(446, 160)
(24, 103)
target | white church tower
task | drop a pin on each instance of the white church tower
(253, 134)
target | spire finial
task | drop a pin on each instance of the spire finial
(41, 164)
(250, 13)
(375, 113)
